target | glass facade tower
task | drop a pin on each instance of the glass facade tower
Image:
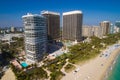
(35, 37)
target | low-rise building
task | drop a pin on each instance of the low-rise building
(16, 64)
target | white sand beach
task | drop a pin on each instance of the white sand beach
(9, 75)
(96, 68)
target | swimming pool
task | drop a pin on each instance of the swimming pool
(24, 64)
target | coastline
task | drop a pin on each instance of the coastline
(111, 64)
(95, 69)
(110, 69)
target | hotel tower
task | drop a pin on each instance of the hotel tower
(53, 24)
(72, 25)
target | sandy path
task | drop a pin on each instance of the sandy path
(9, 75)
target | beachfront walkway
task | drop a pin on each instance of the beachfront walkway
(9, 75)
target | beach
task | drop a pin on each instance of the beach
(9, 75)
(97, 68)
(114, 71)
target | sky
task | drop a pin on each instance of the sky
(94, 11)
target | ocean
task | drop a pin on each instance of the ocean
(114, 74)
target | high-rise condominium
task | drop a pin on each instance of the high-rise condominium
(72, 25)
(12, 29)
(53, 24)
(117, 24)
(88, 31)
(112, 29)
(105, 27)
(35, 37)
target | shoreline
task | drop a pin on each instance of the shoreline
(111, 65)
(110, 69)
(97, 68)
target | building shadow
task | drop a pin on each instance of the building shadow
(3, 61)
(54, 46)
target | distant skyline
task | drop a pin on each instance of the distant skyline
(94, 11)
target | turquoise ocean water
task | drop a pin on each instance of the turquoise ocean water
(114, 74)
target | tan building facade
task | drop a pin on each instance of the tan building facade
(88, 31)
(72, 25)
(53, 24)
(105, 26)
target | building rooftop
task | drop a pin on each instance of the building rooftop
(85, 26)
(72, 12)
(50, 12)
(106, 21)
(32, 15)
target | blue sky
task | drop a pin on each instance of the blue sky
(94, 11)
